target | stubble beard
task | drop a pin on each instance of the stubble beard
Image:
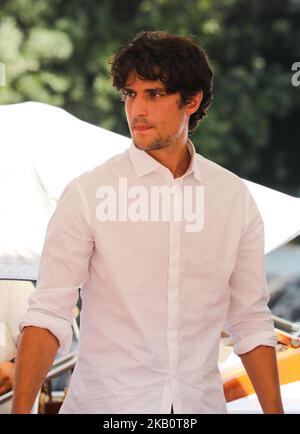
(158, 143)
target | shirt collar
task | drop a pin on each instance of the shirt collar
(143, 163)
(194, 164)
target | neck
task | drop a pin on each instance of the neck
(176, 159)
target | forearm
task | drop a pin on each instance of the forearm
(262, 369)
(36, 352)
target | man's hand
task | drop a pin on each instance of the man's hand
(6, 376)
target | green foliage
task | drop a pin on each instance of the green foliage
(57, 52)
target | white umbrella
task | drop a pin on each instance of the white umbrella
(280, 213)
(42, 148)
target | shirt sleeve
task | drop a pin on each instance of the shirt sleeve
(249, 320)
(64, 267)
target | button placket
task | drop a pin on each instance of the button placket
(173, 295)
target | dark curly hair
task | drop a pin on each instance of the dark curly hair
(178, 61)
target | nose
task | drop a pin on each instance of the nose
(138, 107)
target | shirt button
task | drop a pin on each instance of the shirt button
(178, 181)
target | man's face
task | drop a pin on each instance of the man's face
(156, 119)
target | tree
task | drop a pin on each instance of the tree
(57, 52)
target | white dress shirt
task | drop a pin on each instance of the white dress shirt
(155, 297)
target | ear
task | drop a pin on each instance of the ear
(194, 103)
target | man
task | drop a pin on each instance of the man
(13, 304)
(159, 280)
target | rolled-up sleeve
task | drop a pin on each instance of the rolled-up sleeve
(249, 320)
(64, 267)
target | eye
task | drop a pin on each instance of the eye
(156, 93)
(126, 94)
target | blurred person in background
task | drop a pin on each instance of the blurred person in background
(13, 304)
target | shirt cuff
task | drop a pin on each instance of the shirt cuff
(250, 342)
(59, 327)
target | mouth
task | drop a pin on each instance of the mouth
(142, 128)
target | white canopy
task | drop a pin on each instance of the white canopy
(42, 148)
